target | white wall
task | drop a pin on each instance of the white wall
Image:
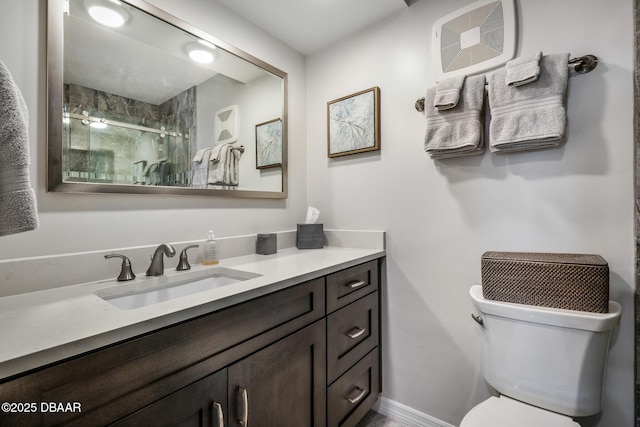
(79, 222)
(441, 216)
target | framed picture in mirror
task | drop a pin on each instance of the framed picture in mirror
(269, 144)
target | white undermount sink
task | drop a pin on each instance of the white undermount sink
(148, 291)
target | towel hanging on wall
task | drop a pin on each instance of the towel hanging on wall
(448, 93)
(457, 131)
(18, 208)
(530, 116)
(521, 71)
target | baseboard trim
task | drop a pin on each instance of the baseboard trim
(406, 415)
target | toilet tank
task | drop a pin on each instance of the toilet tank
(551, 358)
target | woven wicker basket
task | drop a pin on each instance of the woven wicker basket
(568, 281)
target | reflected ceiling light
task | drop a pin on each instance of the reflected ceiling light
(107, 12)
(202, 52)
(200, 55)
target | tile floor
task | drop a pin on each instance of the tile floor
(373, 419)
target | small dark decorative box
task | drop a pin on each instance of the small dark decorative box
(567, 281)
(310, 236)
(267, 244)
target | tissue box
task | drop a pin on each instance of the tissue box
(267, 244)
(310, 236)
(567, 281)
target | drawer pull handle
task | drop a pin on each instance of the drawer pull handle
(356, 284)
(217, 409)
(358, 398)
(242, 406)
(356, 332)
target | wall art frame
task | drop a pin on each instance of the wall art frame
(269, 144)
(353, 123)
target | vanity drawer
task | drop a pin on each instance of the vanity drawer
(346, 286)
(349, 398)
(352, 332)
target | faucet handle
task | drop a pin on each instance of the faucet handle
(184, 260)
(125, 271)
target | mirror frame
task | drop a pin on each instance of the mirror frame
(55, 85)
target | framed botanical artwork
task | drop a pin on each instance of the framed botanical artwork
(269, 144)
(353, 123)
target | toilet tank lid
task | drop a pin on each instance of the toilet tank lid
(506, 412)
(584, 320)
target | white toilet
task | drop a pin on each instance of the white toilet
(547, 364)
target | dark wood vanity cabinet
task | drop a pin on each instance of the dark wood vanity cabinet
(281, 385)
(307, 355)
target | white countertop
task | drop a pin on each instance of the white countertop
(43, 327)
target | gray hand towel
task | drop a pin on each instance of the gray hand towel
(448, 93)
(521, 71)
(18, 209)
(459, 130)
(531, 116)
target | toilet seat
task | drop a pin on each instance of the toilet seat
(506, 412)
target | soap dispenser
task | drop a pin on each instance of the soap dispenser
(210, 250)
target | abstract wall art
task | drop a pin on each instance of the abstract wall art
(354, 123)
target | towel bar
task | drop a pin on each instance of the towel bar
(582, 65)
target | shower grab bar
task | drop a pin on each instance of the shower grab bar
(582, 65)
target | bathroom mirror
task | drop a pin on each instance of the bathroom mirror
(142, 102)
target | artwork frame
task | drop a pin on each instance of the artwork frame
(353, 123)
(269, 144)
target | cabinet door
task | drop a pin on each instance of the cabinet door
(283, 385)
(202, 404)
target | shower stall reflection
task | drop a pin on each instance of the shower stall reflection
(127, 141)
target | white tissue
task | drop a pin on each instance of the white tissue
(312, 215)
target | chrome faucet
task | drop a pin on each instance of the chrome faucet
(157, 261)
